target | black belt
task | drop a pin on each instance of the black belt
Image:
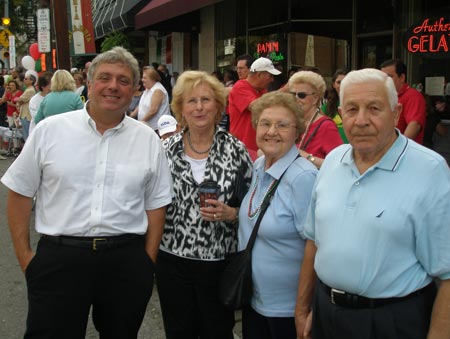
(93, 243)
(345, 299)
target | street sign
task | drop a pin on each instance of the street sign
(43, 19)
(12, 51)
(43, 25)
(44, 42)
(4, 37)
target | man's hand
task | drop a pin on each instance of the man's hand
(19, 211)
(25, 259)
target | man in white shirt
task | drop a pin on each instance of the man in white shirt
(100, 210)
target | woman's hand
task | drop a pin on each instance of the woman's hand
(218, 211)
(303, 324)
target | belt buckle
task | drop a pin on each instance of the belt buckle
(333, 292)
(94, 243)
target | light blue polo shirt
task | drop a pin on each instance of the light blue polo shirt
(278, 251)
(384, 233)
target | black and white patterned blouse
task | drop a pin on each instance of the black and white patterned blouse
(186, 234)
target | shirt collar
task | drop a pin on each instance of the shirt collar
(88, 119)
(280, 166)
(403, 89)
(390, 159)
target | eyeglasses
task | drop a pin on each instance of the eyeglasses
(282, 126)
(301, 95)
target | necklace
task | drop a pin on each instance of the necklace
(253, 214)
(188, 136)
(316, 113)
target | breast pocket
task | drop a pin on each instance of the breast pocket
(129, 181)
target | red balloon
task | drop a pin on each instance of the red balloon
(34, 51)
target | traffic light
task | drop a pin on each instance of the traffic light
(6, 22)
(5, 54)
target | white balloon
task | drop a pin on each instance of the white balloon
(28, 62)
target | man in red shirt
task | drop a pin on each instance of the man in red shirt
(243, 93)
(412, 118)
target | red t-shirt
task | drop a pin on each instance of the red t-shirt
(325, 139)
(414, 109)
(240, 97)
(11, 108)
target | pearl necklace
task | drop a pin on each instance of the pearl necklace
(253, 214)
(316, 113)
(188, 136)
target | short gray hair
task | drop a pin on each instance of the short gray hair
(370, 75)
(115, 56)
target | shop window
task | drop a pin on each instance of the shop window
(324, 9)
(374, 16)
(374, 51)
(265, 13)
(318, 53)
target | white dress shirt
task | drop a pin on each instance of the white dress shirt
(88, 184)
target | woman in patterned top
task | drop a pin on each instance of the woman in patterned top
(196, 239)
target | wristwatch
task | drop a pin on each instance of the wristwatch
(311, 158)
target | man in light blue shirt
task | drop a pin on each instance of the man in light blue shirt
(379, 227)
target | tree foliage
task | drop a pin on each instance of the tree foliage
(115, 38)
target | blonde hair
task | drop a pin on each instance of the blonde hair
(62, 80)
(313, 79)
(189, 80)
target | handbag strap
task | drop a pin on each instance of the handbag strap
(314, 133)
(265, 204)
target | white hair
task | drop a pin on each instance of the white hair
(370, 75)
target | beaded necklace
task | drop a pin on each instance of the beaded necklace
(253, 214)
(188, 136)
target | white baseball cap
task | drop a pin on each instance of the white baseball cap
(166, 124)
(33, 73)
(264, 64)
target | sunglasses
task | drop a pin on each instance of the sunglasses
(301, 95)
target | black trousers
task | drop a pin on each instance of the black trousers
(257, 326)
(408, 319)
(188, 292)
(64, 282)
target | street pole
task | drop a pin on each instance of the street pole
(6, 15)
(61, 29)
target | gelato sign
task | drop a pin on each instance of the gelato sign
(431, 37)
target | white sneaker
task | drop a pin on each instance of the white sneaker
(2, 157)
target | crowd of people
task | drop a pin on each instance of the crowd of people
(354, 243)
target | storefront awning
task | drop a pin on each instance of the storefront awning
(113, 15)
(161, 10)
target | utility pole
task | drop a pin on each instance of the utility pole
(61, 29)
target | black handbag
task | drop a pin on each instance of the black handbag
(235, 284)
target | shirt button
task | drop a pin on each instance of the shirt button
(357, 183)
